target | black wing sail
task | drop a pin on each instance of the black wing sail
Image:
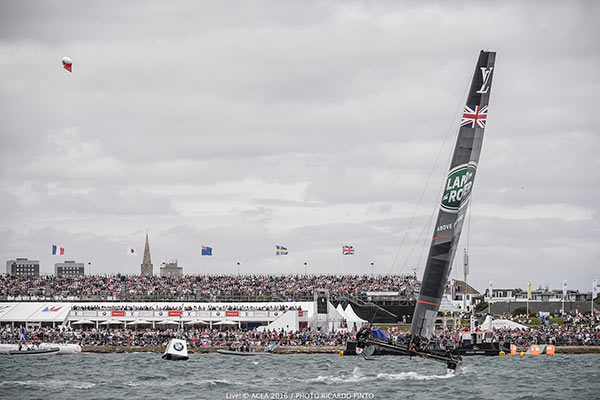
(457, 191)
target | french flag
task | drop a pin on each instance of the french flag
(57, 250)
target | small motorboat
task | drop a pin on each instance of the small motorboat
(34, 351)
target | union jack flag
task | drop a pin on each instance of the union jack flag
(347, 250)
(474, 116)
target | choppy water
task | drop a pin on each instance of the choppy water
(319, 376)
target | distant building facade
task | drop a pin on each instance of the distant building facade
(69, 269)
(23, 267)
(465, 296)
(539, 295)
(171, 269)
(508, 300)
(147, 268)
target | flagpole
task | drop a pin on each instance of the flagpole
(594, 291)
(528, 294)
(564, 295)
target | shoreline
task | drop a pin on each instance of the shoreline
(213, 349)
(296, 349)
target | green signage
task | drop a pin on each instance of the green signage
(458, 187)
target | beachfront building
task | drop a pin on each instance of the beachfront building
(542, 299)
(171, 269)
(69, 269)
(539, 295)
(465, 296)
(23, 267)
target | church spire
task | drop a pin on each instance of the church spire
(146, 262)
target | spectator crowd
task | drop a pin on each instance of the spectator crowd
(149, 337)
(576, 330)
(209, 288)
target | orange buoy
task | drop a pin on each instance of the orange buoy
(535, 350)
(550, 350)
(513, 349)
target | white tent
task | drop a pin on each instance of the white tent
(34, 312)
(447, 306)
(340, 309)
(225, 322)
(288, 321)
(196, 322)
(167, 322)
(83, 322)
(490, 324)
(506, 324)
(112, 322)
(139, 322)
(355, 319)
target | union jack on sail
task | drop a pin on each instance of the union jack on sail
(348, 250)
(474, 116)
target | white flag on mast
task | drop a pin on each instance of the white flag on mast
(564, 296)
(594, 288)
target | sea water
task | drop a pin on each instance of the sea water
(299, 376)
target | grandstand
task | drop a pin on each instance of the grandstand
(94, 299)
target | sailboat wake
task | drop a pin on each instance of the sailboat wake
(414, 376)
(358, 376)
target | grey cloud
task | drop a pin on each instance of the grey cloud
(306, 123)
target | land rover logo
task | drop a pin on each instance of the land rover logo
(178, 346)
(458, 187)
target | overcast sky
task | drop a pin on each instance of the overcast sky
(314, 124)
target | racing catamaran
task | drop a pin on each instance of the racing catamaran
(446, 234)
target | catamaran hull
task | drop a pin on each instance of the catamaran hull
(487, 349)
(353, 350)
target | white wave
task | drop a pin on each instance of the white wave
(358, 376)
(411, 375)
(467, 369)
(51, 384)
(172, 382)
